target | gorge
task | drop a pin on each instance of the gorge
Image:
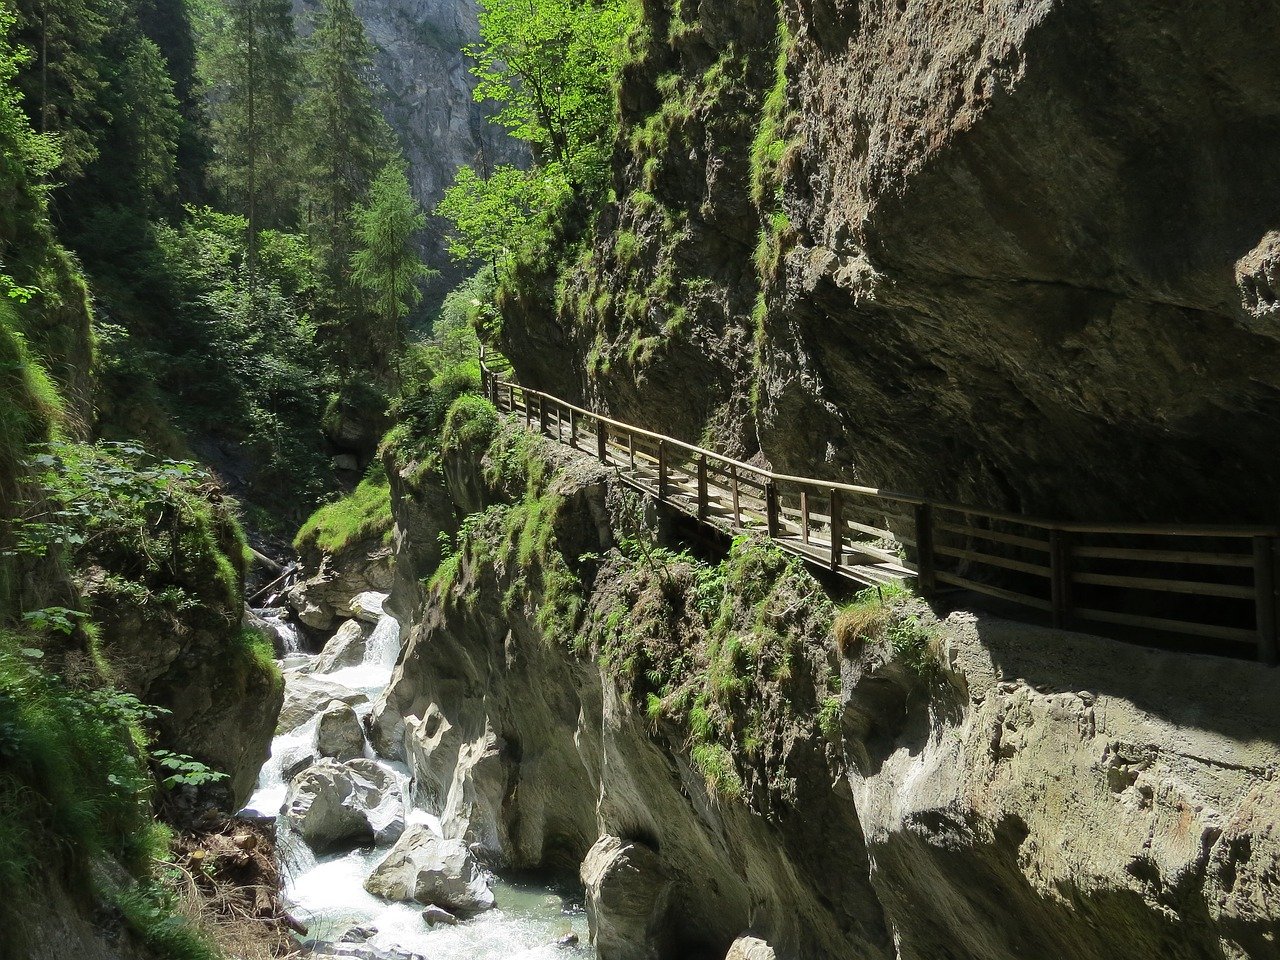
(446, 468)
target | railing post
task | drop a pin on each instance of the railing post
(528, 411)
(1264, 584)
(771, 508)
(804, 517)
(662, 471)
(511, 397)
(926, 562)
(573, 429)
(602, 440)
(631, 448)
(702, 486)
(542, 415)
(737, 503)
(837, 529)
(1060, 577)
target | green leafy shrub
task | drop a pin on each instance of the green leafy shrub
(73, 777)
(471, 423)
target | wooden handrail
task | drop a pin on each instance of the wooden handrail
(682, 477)
(1041, 523)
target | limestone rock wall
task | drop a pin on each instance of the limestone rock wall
(1026, 793)
(1019, 253)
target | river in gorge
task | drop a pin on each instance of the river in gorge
(533, 919)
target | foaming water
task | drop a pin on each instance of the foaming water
(529, 922)
(328, 894)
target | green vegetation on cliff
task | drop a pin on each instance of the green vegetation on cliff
(365, 514)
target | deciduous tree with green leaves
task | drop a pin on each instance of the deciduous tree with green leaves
(551, 65)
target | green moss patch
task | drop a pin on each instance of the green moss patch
(363, 515)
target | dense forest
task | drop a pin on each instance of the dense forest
(209, 317)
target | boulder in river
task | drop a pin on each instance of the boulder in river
(750, 948)
(425, 867)
(627, 891)
(339, 734)
(345, 648)
(434, 916)
(367, 606)
(336, 805)
(305, 696)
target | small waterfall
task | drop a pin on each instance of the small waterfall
(383, 648)
(327, 893)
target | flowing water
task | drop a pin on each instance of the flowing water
(328, 895)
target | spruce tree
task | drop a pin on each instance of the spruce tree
(346, 141)
(248, 68)
(63, 83)
(386, 263)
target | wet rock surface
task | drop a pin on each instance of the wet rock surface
(339, 733)
(425, 867)
(334, 805)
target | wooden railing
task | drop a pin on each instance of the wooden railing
(1215, 583)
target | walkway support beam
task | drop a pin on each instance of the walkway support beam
(926, 562)
(771, 508)
(703, 500)
(1060, 576)
(1264, 583)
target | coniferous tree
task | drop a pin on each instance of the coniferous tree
(63, 83)
(386, 263)
(248, 68)
(346, 142)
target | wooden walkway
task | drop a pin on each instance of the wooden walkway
(1216, 583)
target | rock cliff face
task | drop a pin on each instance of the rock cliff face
(738, 769)
(427, 100)
(1017, 253)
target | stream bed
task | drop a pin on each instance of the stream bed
(534, 918)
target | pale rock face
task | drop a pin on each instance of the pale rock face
(750, 948)
(339, 734)
(627, 888)
(305, 696)
(345, 648)
(367, 607)
(425, 867)
(1076, 786)
(334, 805)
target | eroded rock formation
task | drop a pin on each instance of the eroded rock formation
(997, 792)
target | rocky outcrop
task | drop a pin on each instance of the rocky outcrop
(627, 888)
(1074, 787)
(336, 805)
(220, 695)
(425, 867)
(976, 229)
(322, 600)
(718, 763)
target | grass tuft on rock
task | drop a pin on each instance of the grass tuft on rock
(365, 514)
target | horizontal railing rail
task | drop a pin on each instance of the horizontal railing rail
(1214, 582)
